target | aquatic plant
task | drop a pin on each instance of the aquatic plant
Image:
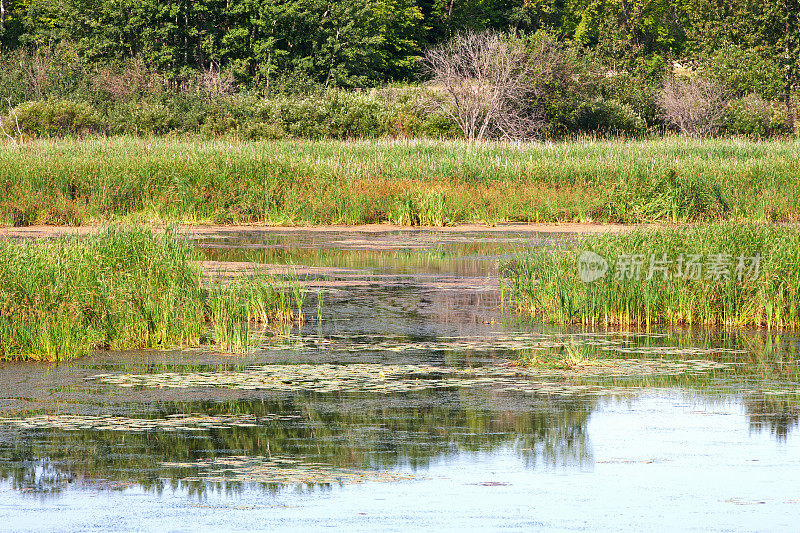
(405, 182)
(729, 274)
(123, 288)
(251, 299)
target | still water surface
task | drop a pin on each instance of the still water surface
(397, 410)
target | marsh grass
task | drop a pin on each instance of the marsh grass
(235, 307)
(547, 283)
(124, 288)
(403, 182)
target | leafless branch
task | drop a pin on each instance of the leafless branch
(17, 138)
(696, 106)
(483, 82)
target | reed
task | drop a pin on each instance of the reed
(124, 288)
(235, 307)
(750, 292)
(405, 182)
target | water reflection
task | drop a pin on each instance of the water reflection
(352, 432)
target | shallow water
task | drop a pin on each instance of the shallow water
(397, 409)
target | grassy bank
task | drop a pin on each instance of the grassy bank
(419, 182)
(729, 287)
(123, 289)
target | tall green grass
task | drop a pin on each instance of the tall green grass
(235, 306)
(404, 182)
(547, 283)
(124, 288)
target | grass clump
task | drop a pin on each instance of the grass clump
(234, 306)
(748, 275)
(124, 288)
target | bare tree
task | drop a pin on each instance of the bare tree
(213, 81)
(696, 106)
(483, 81)
(37, 66)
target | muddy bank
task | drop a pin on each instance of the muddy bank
(206, 231)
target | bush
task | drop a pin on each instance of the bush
(57, 118)
(694, 106)
(744, 71)
(335, 114)
(755, 117)
(140, 118)
(410, 115)
(637, 92)
(257, 131)
(608, 117)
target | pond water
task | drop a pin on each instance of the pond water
(395, 407)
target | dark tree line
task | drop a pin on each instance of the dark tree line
(364, 42)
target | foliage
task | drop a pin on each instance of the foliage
(608, 117)
(744, 71)
(55, 118)
(753, 116)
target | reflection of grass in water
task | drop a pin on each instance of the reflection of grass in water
(124, 288)
(758, 368)
(546, 283)
(371, 433)
(465, 259)
(779, 415)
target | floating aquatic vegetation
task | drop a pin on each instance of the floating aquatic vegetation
(619, 342)
(367, 377)
(281, 470)
(176, 422)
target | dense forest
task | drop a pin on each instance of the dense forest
(95, 57)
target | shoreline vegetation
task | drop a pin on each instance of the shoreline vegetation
(417, 182)
(127, 288)
(763, 290)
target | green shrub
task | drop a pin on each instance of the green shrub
(755, 117)
(409, 115)
(607, 117)
(637, 92)
(261, 131)
(140, 118)
(744, 71)
(356, 115)
(334, 114)
(57, 118)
